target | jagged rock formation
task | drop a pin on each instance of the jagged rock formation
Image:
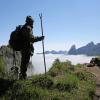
(72, 50)
(90, 49)
(7, 54)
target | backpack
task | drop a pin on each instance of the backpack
(16, 39)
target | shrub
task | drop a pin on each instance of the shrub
(86, 76)
(59, 68)
(42, 81)
(55, 69)
(4, 85)
(24, 90)
(79, 65)
(67, 83)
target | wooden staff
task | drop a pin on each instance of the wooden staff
(40, 15)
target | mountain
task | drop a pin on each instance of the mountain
(72, 50)
(54, 52)
(90, 49)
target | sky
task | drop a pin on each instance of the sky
(65, 22)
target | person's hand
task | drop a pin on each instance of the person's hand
(42, 37)
(39, 38)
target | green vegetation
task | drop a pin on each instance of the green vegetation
(2, 67)
(67, 83)
(3, 70)
(64, 81)
(61, 68)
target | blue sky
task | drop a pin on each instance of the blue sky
(65, 22)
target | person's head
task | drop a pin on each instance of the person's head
(29, 20)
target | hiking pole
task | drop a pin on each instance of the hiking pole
(40, 15)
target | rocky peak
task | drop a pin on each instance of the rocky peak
(72, 49)
(91, 44)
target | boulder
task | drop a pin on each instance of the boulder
(94, 62)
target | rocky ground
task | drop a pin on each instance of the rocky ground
(96, 71)
(10, 57)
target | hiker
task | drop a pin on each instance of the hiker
(25, 44)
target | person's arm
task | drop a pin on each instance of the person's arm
(36, 38)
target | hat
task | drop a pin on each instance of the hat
(29, 19)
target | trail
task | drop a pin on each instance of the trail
(96, 71)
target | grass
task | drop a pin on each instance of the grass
(61, 83)
(67, 83)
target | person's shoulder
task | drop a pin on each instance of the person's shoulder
(19, 27)
(27, 27)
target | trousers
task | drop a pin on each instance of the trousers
(24, 62)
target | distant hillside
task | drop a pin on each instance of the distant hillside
(54, 52)
(90, 49)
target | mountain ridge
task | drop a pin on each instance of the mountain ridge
(90, 49)
(54, 52)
